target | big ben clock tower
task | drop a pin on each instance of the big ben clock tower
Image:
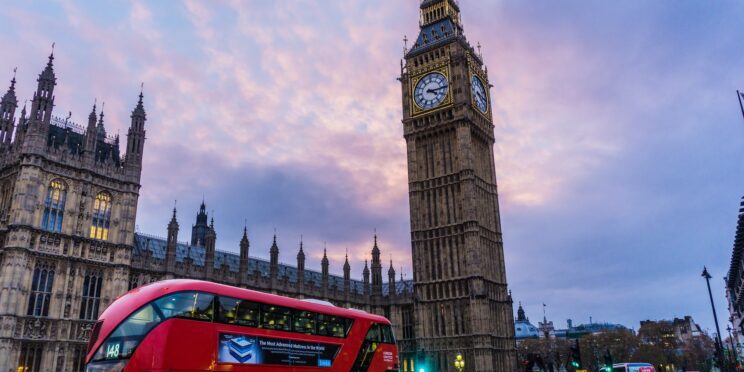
(462, 305)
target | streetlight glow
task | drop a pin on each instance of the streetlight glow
(459, 362)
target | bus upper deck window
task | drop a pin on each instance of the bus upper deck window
(228, 310)
(275, 317)
(187, 305)
(304, 322)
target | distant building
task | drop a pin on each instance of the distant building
(681, 330)
(523, 329)
(734, 282)
(574, 332)
(546, 328)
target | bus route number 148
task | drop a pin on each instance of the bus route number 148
(112, 351)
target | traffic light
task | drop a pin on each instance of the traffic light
(421, 361)
(575, 357)
(608, 360)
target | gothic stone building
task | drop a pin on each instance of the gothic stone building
(462, 304)
(68, 202)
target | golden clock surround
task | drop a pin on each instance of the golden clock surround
(447, 102)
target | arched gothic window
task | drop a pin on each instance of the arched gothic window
(99, 229)
(91, 296)
(54, 206)
(41, 290)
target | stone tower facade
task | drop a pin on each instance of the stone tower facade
(462, 304)
(68, 202)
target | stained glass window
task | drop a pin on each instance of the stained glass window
(54, 206)
(99, 229)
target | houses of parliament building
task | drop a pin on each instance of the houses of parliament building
(68, 203)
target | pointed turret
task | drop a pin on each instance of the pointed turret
(301, 258)
(347, 277)
(35, 139)
(244, 247)
(365, 275)
(274, 258)
(324, 271)
(210, 241)
(172, 243)
(99, 139)
(376, 270)
(90, 132)
(392, 290)
(200, 228)
(136, 137)
(391, 272)
(43, 102)
(324, 263)
(20, 131)
(347, 268)
(100, 128)
(8, 106)
(301, 271)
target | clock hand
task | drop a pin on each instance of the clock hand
(435, 89)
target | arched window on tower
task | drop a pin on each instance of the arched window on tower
(41, 290)
(99, 229)
(54, 206)
(91, 296)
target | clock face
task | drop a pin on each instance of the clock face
(431, 90)
(479, 94)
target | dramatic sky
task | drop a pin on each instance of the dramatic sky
(618, 132)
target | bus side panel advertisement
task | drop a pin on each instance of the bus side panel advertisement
(246, 349)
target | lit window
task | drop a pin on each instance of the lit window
(54, 206)
(99, 229)
(30, 357)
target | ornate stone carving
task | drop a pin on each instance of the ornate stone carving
(35, 328)
(83, 331)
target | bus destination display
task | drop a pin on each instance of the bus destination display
(246, 349)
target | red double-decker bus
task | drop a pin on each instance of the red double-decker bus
(190, 325)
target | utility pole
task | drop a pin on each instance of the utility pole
(719, 344)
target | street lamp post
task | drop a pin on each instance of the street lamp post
(459, 362)
(719, 345)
